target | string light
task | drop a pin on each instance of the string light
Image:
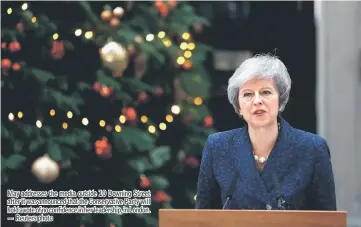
(175, 109)
(187, 54)
(20, 114)
(85, 121)
(24, 6)
(186, 36)
(151, 129)
(149, 37)
(122, 119)
(11, 116)
(69, 114)
(186, 47)
(78, 32)
(33, 19)
(39, 124)
(88, 34)
(180, 60)
(118, 128)
(169, 118)
(102, 123)
(161, 34)
(162, 126)
(9, 11)
(167, 42)
(144, 119)
(198, 101)
(183, 46)
(191, 46)
(55, 36)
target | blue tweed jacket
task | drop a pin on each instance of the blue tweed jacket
(298, 170)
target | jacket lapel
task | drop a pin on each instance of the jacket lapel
(242, 156)
(277, 163)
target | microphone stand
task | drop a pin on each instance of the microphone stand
(225, 203)
(281, 203)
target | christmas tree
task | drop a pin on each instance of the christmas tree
(103, 96)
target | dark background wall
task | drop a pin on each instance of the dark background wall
(284, 28)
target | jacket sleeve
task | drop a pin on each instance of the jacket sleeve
(207, 188)
(322, 193)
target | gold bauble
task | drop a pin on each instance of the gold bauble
(114, 56)
(45, 169)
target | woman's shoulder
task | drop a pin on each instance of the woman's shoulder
(311, 140)
(224, 135)
(309, 137)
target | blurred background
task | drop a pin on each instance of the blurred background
(122, 95)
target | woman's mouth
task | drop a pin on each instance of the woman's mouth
(259, 112)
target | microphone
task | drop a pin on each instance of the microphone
(231, 189)
(281, 203)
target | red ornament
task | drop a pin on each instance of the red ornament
(14, 46)
(208, 121)
(187, 65)
(163, 10)
(130, 113)
(5, 66)
(103, 148)
(57, 50)
(191, 161)
(6, 63)
(160, 196)
(106, 91)
(16, 66)
(144, 182)
(97, 86)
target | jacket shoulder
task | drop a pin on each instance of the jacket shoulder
(311, 138)
(311, 141)
(221, 138)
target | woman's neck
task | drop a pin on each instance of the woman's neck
(263, 139)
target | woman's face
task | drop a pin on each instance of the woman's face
(259, 102)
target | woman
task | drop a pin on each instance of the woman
(267, 164)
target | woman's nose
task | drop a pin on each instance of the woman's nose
(257, 99)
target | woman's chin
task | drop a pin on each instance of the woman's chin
(260, 121)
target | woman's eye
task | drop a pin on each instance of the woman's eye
(266, 92)
(246, 94)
